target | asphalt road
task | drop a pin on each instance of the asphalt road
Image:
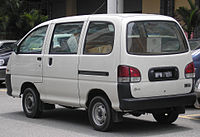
(63, 122)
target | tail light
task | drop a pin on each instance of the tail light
(189, 70)
(128, 74)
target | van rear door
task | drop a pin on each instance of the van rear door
(159, 52)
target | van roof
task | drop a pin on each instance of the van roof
(119, 16)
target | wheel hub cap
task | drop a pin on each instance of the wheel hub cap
(99, 114)
(29, 103)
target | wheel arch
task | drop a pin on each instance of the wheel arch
(27, 85)
(97, 92)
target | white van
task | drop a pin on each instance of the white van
(108, 64)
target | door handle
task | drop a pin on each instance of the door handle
(39, 58)
(50, 61)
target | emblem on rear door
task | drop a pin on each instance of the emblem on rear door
(136, 89)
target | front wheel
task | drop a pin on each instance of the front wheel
(31, 103)
(99, 113)
(166, 118)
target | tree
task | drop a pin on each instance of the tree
(3, 23)
(16, 20)
(28, 20)
(9, 13)
(190, 17)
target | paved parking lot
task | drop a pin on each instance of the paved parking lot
(64, 122)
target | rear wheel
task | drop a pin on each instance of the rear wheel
(31, 103)
(99, 114)
(166, 118)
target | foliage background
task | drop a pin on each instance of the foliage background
(16, 19)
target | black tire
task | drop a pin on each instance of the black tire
(1, 81)
(31, 103)
(99, 114)
(166, 118)
(197, 104)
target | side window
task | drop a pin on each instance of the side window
(34, 42)
(99, 38)
(65, 38)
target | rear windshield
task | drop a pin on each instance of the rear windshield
(155, 37)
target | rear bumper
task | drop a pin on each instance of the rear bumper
(127, 102)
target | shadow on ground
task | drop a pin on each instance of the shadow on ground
(77, 121)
